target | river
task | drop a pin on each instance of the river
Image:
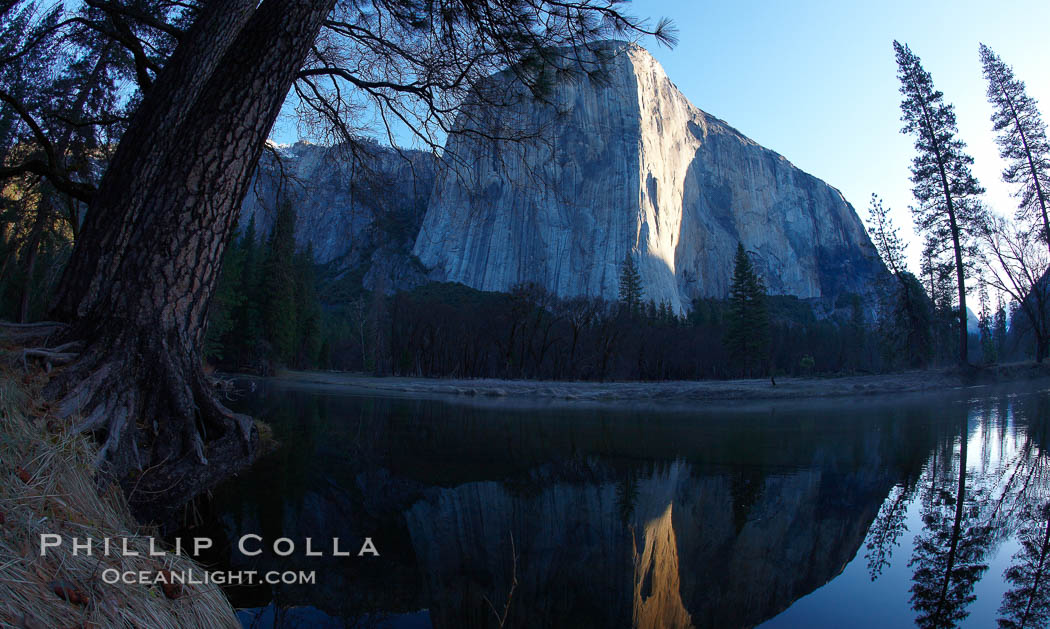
(872, 512)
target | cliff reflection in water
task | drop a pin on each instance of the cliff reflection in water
(599, 517)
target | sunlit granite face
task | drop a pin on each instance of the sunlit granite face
(627, 163)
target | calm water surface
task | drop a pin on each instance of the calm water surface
(871, 513)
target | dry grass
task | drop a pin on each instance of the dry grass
(47, 486)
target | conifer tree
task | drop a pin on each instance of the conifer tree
(631, 291)
(228, 297)
(278, 286)
(247, 317)
(906, 323)
(308, 309)
(1022, 140)
(747, 331)
(163, 213)
(886, 237)
(984, 325)
(948, 209)
(999, 329)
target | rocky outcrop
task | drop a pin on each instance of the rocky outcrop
(359, 209)
(626, 163)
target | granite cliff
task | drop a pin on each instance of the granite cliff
(627, 163)
(359, 209)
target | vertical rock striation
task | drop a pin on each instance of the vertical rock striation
(357, 208)
(627, 163)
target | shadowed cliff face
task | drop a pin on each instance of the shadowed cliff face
(627, 163)
(354, 208)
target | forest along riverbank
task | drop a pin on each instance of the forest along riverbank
(753, 389)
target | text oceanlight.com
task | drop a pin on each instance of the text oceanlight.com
(113, 576)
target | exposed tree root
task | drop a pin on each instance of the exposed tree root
(164, 435)
(26, 334)
(50, 357)
(34, 324)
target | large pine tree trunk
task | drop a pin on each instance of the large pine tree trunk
(124, 192)
(960, 278)
(138, 384)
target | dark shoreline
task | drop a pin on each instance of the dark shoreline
(786, 389)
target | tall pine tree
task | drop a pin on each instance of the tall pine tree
(948, 209)
(631, 291)
(906, 319)
(1022, 140)
(747, 333)
(248, 316)
(278, 286)
(308, 310)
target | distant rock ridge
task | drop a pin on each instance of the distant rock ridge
(630, 165)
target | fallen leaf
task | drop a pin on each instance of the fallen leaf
(171, 590)
(69, 592)
(23, 474)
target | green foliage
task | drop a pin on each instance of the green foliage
(1022, 141)
(999, 329)
(266, 307)
(949, 211)
(278, 286)
(631, 291)
(885, 236)
(989, 354)
(747, 330)
(308, 333)
(226, 300)
(906, 325)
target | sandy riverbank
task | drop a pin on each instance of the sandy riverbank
(712, 390)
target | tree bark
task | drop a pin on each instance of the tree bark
(36, 234)
(139, 385)
(953, 547)
(960, 275)
(123, 193)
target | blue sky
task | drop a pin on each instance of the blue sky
(816, 81)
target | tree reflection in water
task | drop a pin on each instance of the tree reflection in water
(948, 555)
(630, 519)
(1028, 603)
(968, 508)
